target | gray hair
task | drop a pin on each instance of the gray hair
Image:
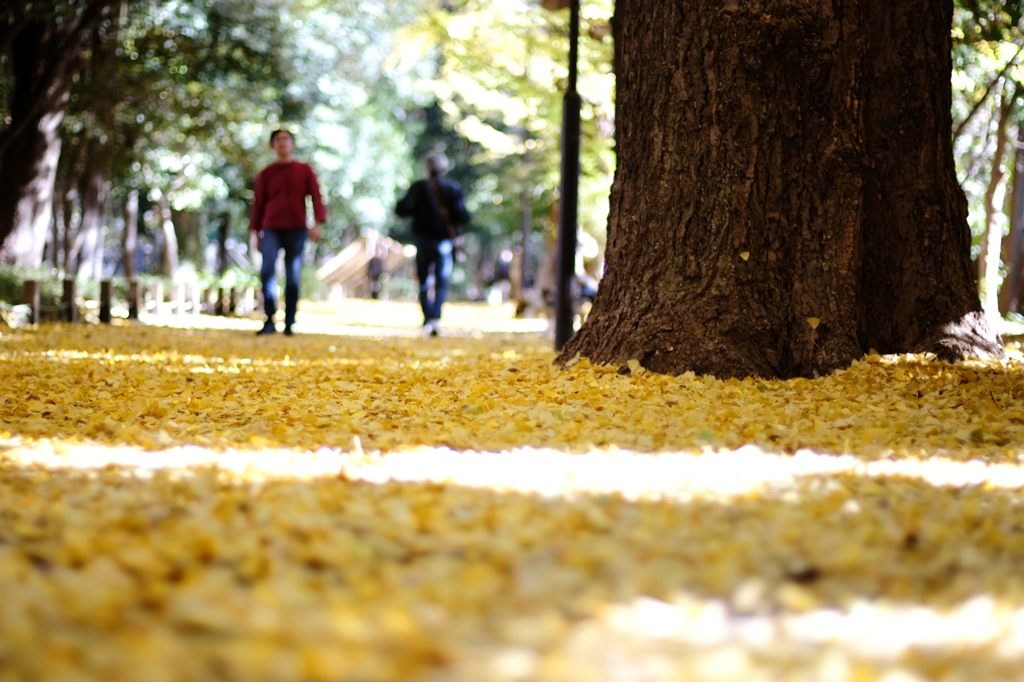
(436, 163)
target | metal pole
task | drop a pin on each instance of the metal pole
(133, 299)
(106, 296)
(32, 299)
(568, 203)
(70, 308)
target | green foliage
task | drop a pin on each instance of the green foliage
(12, 285)
(987, 20)
(499, 75)
(179, 100)
(234, 276)
(988, 69)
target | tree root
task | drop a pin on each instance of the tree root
(969, 337)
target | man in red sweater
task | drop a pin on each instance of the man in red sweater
(279, 221)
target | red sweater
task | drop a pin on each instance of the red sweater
(281, 190)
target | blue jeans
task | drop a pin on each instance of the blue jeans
(292, 242)
(433, 261)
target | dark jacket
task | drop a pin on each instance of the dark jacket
(420, 205)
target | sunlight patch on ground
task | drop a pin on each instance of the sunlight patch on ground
(366, 318)
(522, 565)
(202, 504)
(715, 474)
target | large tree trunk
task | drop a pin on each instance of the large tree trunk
(786, 198)
(93, 224)
(94, 190)
(68, 253)
(44, 57)
(97, 156)
(70, 172)
(169, 260)
(55, 253)
(30, 149)
(189, 226)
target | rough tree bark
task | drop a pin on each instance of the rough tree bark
(786, 197)
(95, 185)
(44, 56)
(30, 149)
(97, 151)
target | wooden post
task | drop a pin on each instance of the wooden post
(249, 301)
(31, 289)
(69, 312)
(232, 301)
(218, 308)
(179, 298)
(133, 300)
(196, 296)
(158, 297)
(106, 293)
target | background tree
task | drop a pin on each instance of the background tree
(170, 159)
(44, 46)
(496, 72)
(253, 69)
(987, 71)
(198, 87)
(786, 198)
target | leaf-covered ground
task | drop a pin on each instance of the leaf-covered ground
(203, 505)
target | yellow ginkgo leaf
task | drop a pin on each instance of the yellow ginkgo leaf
(417, 505)
(745, 255)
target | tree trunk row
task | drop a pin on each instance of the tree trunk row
(44, 58)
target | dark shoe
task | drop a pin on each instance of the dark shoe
(288, 330)
(268, 328)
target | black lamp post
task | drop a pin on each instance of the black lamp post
(568, 214)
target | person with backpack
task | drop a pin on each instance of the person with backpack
(279, 221)
(438, 209)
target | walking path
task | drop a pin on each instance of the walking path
(200, 504)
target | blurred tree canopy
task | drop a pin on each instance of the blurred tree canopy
(175, 102)
(171, 102)
(501, 69)
(988, 69)
(171, 108)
